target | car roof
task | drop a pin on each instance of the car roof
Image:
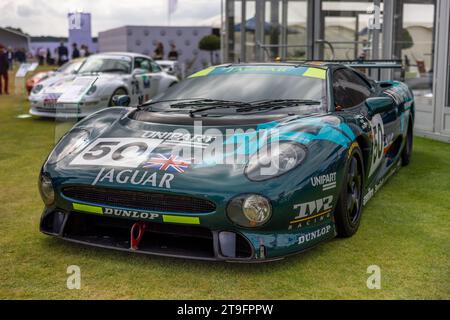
(128, 54)
(166, 61)
(314, 64)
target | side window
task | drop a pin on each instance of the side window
(341, 96)
(155, 67)
(349, 88)
(359, 88)
(142, 63)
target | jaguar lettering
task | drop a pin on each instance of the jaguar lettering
(134, 177)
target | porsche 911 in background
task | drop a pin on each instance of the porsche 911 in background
(69, 68)
(108, 74)
(246, 162)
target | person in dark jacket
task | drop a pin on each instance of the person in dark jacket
(75, 51)
(48, 57)
(4, 67)
(10, 55)
(173, 53)
(63, 54)
(158, 54)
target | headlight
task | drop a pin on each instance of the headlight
(249, 210)
(274, 160)
(73, 142)
(37, 88)
(46, 189)
(91, 90)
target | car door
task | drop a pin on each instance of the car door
(351, 90)
(350, 93)
(157, 78)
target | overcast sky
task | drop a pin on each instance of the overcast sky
(49, 17)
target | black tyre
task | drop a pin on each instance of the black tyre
(407, 149)
(349, 206)
(117, 92)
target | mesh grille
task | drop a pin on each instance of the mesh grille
(153, 201)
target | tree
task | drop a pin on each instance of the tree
(210, 43)
(407, 41)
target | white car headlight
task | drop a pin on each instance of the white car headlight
(37, 88)
(91, 90)
(274, 160)
(46, 189)
(249, 210)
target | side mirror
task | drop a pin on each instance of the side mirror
(138, 71)
(121, 101)
(379, 105)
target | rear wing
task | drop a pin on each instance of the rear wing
(368, 66)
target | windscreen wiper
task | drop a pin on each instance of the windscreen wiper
(214, 104)
(209, 103)
(277, 104)
(152, 102)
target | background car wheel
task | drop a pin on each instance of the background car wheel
(407, 149)
(349, 206)
(118, 92)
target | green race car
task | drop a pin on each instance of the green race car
(239, 162)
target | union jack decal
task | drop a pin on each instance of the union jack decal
(168, 163)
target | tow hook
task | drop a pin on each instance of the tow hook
(137, 232)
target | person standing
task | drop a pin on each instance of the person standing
(48, 57)
(158, 54)
(173, 53)
(41, 55)
(63, 54)
(10, 55)
(82, 50)
(87, 53)
(4, 68)
(75, 51)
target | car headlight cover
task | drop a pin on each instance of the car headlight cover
(91, 90)
(73, 142)
(249, 210)
(37, 88)
(46, 189)
(274, 160)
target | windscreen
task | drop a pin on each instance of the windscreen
(70, 67)
(250, 83)
(113, 64)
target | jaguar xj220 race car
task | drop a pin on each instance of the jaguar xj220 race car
(247, 162)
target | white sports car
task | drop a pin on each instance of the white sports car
(101, 77)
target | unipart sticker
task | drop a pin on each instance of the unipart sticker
(117, 152)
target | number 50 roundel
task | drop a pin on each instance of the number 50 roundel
(116, 152)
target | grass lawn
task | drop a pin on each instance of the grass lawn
(405, 230)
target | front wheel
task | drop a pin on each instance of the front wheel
(117, 92)
(349, 206)
(407, 149)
